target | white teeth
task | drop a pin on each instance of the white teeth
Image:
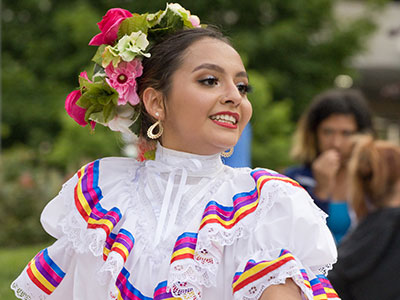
(224, 118)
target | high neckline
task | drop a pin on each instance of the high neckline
(194, 164)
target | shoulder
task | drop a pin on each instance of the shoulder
(105, 171)
(298, 170)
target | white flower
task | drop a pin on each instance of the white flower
(122, 119)
(130, 46)
(178, 10)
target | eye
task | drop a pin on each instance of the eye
(348, 133)
(209, 81)
(244, 88)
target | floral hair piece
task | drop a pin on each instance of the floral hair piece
(110, 97)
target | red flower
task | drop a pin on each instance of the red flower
(109, 26)
(74, 110)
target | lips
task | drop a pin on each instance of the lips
(226, 119)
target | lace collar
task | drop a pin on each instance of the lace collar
(195, 165)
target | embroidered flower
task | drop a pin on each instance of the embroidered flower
(123, 80)
(75, 111)
(109, 26)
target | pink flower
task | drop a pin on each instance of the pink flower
(195, 21)
(123, 80)
(109, 26)
(75, 111)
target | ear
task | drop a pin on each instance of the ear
(153, 102)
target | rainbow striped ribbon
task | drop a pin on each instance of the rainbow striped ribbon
(87, 196)
(160, 292)
(256, 270)
(243, 203)
(184, 246)
(121, 243)
(44, 272)
(128, 292)
(321, 287)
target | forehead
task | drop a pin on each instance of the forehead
(339, 122)
(210, 50)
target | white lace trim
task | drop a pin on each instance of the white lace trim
(81, 238)
(21, 287)
(254, 290)
(323, 269)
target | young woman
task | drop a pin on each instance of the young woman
(323, 143)
(184, 225)
(369, 262)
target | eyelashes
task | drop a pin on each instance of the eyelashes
(242, 87)
(209, 81)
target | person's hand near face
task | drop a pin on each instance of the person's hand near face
(325, 168)
(335, 144)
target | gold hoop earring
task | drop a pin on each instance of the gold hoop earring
(227, 153)
(152, 135)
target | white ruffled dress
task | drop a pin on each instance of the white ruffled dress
(182, 226)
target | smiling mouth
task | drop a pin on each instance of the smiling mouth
(224, 119)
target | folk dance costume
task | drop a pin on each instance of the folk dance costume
(182, 226)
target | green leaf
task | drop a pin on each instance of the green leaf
(108, 112)
(150, 155)
(136, 126)
(171, 20)
(88, 112)
(98, 73)
(98, 118)
(97, 58)
(133, 24)
(154, 18)
(84, 101)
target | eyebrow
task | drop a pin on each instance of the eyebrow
(218, 69)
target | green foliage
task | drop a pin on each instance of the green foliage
(271, 124)
(26, 186)
(133, 24)
(76, 146)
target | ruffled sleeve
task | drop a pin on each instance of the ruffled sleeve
(88, 220)
(289, 239)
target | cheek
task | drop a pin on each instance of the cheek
(347, 147)
(323, 142)
(247, 111)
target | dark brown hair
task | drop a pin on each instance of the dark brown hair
(166, 57)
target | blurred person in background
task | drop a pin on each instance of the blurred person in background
(368, 265)
(322, 144)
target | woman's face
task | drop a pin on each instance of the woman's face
(207, 106)
(335, 133)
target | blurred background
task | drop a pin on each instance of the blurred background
(292, 49)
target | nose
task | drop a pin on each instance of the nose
(232, 95)
(337, 141)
